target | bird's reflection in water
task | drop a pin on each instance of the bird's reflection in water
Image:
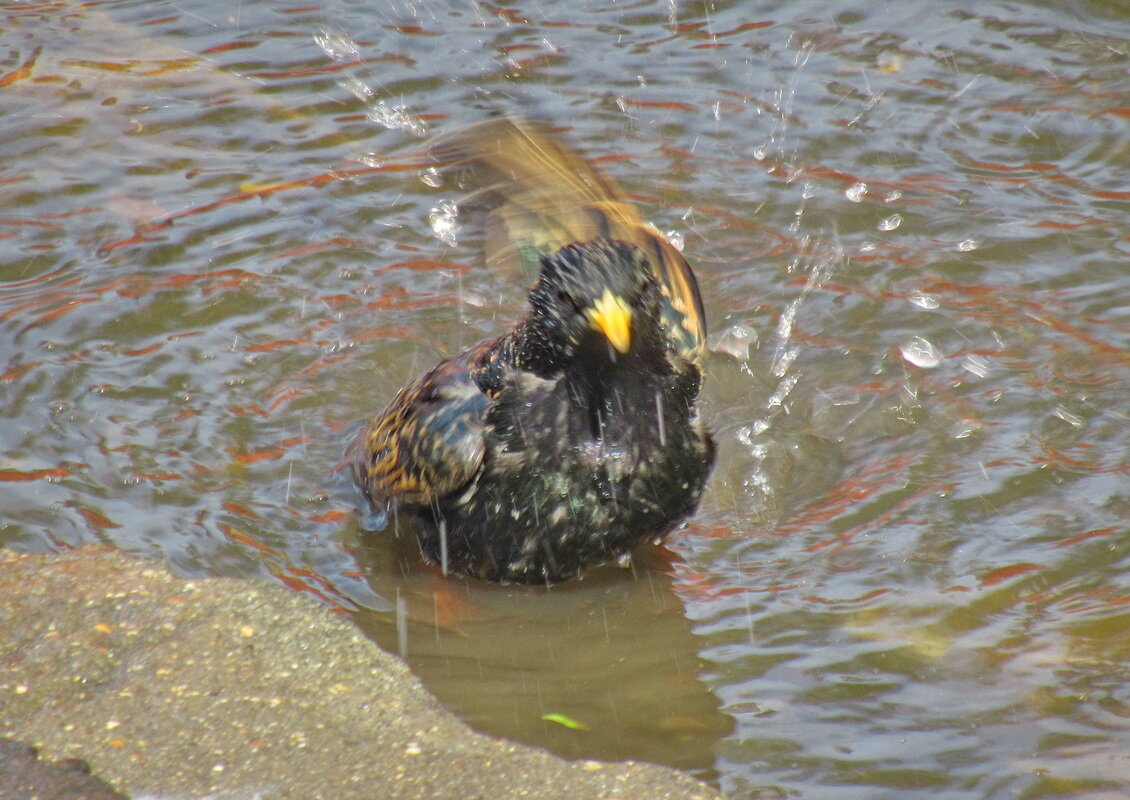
(605, 667)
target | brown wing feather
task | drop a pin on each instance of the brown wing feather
(546, 196)
(429, 441)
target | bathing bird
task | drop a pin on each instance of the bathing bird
(574, 437)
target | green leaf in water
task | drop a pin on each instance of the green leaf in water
(567, 722)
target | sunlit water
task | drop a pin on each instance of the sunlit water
(221, 247)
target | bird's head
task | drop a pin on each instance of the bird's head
(597, 294)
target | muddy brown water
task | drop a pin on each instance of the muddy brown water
(220, 248)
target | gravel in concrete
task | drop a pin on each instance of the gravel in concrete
(232, 690)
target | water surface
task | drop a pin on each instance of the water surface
(221, 248)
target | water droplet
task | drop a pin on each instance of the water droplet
(396, 118)
(735, 340)
(784, 388)
(783, 359)
(445, 223)
(401, 624)
(336, 45)
(370, 160)
(892, 196)
(920, 353)
(978, 365)
(856, 191)
(968, 245)
(923, 300)
(759, 153)
(356, 87)
(868, 247)
(676, 239)
(968, 427)
(431, 177)
(1074, 420)
(890, 223)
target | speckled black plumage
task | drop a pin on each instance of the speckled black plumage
(573, 437)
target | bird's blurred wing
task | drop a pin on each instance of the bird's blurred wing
(544, 196)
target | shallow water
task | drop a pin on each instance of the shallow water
(220, 249)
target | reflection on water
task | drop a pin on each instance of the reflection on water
(221, 248)
(613, 654)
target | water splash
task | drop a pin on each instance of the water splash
(735, 340)
(336, 45)
(920, 352)
(783, 107)
(1074, 420)
(341, 48)
(397, 118)
(401, 624)
(890, 223)
(923, 300)
(817, 276)
(856, 192)
(443, 547)
(976, 365)
(444, 221)
(756, 482)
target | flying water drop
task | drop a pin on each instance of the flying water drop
(444, 220)
(923, 300)
(735, 340)
(977, 365)
(396, 118)
(920, 352)
(401, 624)
(336, 45)
(856, 191)
(890, 223)
(1074, 420)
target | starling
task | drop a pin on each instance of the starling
(573, 437)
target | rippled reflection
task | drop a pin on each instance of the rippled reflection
(221, 247)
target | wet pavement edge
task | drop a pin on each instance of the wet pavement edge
(214, 687)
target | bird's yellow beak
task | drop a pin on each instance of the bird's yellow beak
(611, 316)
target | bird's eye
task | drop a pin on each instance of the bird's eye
(564, 299)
